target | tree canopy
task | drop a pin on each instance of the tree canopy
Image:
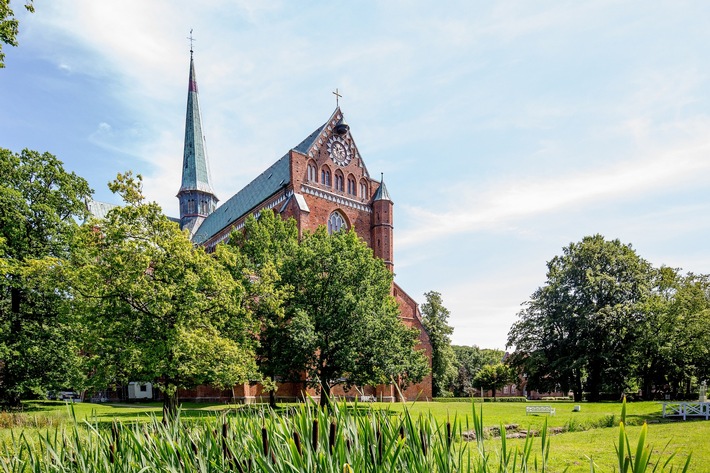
(40, 204)
(581, 325)
(257, 256)
(469, 360)
(435, 320)
(9, 26)
(343, 324)
(157, 308)
(494, 377)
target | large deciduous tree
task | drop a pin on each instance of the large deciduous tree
(39, 206)
(469, 361)
(494, 377)
(257, 256)
(673, 346)
(158, 308)
(582, 324)
(343, 324)
(435, 320)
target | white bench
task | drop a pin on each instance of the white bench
(540, 410)
(366, 398)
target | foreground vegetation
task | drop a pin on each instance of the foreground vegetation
(359, 438)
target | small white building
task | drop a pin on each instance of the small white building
(138, 390)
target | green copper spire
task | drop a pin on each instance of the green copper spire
(195, 171)
(197, 199)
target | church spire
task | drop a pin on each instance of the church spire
(197, 199)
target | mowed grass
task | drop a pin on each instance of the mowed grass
(588, 435)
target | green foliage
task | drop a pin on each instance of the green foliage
(605, 316)
(494, 377)
(9, 26)
(156, 308)
(343, 324)
(584, 321)
(469, 360)
(673, 347)
(39, 205)
(257, 256)
(435, 320)
(481, 399)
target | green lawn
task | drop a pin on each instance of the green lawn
(590, 433)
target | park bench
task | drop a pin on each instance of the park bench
(540, 410)
(366, 398)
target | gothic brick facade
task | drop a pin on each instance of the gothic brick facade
(321, 181)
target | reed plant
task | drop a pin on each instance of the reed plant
(306, 438)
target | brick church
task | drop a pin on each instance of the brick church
(323, 180)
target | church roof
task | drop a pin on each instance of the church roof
(266, 184)
(306, 144)
(99, 209)
(275, 178)
(195, 171)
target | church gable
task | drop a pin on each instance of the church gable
(333, 146)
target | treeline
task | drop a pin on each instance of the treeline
(458, 369)
(93, 305)
(608, 321)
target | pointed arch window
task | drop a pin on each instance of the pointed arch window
(339, 184)
(336, 222)
(325, 177)
(351, 185)
(363, 190)
(312, 172)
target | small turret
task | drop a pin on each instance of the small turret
(382, 229)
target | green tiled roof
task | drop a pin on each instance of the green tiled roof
(266, 184)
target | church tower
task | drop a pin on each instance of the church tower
(197, 199)
(382, 225)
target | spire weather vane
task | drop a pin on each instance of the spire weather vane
(337, 97)
(191, 40)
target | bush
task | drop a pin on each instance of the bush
(478, 399)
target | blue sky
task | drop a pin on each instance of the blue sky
(505, 130)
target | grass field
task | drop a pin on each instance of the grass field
(588, 435)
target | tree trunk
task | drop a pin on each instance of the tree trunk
(594, 383)
(577, 389)
(272, 399)
(170, 406)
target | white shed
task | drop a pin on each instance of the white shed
(138, 390)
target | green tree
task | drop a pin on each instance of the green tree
(581, 325)
(494, 377)
(39, 205)
(9, 26)
(343, 324)
(435, 320)
(469, 360)
(158, 308)
(673, 345)
(259, 255)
